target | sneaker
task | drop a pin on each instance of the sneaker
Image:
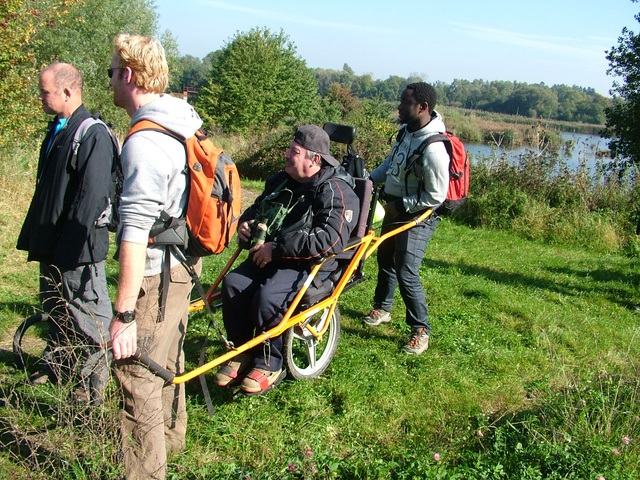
(40, 377)
(232, 371)
(260, 380)
(377, 316)
(418, 342)
(80, 395)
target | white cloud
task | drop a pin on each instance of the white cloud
(298, 19)
(554, 44)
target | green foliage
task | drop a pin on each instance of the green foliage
(266, 154)
(540, 197)
(189, 71)
(174, 61)
(87, 42)
(21, 22)
(622, 124)
(80, 32)
(532, 101)
(341, 97)
(256, 82)
(376, 131)
(578, 432)
(559, 102)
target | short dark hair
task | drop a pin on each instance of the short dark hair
(424, 93)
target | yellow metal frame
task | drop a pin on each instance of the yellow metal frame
(364, 248)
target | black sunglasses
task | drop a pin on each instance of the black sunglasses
(111, 70)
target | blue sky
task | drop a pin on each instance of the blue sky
(555, 42)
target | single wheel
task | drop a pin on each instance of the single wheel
(307, 357)
(36, 344)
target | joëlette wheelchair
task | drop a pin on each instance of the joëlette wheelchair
(311, 325)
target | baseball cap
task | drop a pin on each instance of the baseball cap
(317, 140)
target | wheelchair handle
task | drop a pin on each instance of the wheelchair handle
(153, 367)
(144, 360)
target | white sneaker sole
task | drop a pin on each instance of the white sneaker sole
(411, 351)
(372, 322)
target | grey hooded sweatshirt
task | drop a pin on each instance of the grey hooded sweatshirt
(155, 174)
(435, 164)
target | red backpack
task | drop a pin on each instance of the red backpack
(215, 196)
(459, 170)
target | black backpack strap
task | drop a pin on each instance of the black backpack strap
(78, 137)
(80, 132)
(165, 281)
(418, 152)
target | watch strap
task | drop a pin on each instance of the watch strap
(125, 317)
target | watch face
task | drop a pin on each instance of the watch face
(126, 317)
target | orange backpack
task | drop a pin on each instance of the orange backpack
(215, 195)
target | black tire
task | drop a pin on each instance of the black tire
(304, 356)
(18, 352)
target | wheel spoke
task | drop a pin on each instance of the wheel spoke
(310, 345)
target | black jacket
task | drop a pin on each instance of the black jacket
(59, 228)
(321, 222)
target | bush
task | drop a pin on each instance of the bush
(540, 197)
(264, 155)
(256, 82)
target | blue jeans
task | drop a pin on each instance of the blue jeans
(399, 259)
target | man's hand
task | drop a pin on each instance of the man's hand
(124, 336)
(262, 254)
(124, 339)
(393, 209)
(244, 233)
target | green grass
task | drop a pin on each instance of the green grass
(532, 373)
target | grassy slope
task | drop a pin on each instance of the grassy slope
(519, 328)
(513, 323)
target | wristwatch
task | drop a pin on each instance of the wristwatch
(125, 317)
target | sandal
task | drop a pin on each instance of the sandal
(260, 381)
(232, 371)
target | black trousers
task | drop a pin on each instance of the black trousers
(255, 300)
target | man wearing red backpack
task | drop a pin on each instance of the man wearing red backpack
(153, 417)
(408, 194)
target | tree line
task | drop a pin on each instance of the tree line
(558, 102)
(254, 82)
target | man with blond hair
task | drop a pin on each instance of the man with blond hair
(153, 416)
(62, 232)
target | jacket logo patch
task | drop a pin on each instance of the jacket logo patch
(348, 215)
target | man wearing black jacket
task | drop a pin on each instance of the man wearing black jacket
(311, 209)
(62, 232)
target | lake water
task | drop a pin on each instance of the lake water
(579, 148)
